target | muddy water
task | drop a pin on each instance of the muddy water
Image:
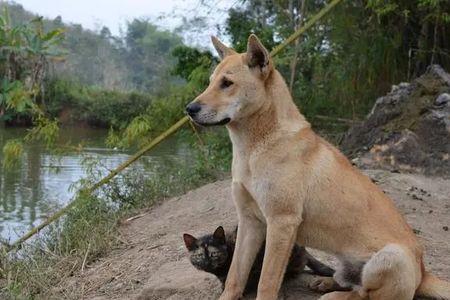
(42, 181)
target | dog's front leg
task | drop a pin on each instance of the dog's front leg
(280, 239)
(250, 236)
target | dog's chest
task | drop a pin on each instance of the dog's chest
(256, 182)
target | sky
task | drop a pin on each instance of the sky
(93, 14)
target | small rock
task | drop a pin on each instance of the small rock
(415, 197)
(442, 99)
(431, 211)
(445, 228)
(394, 88)
(417, 231)
(404, 85)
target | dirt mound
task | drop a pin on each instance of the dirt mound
(408, 129)
(152, 264)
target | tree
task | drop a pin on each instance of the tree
(355, 54)
(24, 55)
(149, 53)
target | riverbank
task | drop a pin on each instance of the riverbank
(74, 104)
(150, 262)
(42, 179)
(89, 230)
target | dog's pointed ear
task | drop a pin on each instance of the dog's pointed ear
(219, 234)
(190, 241)
(258, 56)
(221, 49)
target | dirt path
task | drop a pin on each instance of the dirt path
(151, 263)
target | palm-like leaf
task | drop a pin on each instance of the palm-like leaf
(24, 52)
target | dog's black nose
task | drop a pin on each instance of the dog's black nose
(193, 108)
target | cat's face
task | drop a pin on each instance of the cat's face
(208, 253)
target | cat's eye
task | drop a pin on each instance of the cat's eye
(226, 83)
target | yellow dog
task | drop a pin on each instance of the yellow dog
(290, 185)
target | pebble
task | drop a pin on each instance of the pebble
(417, 191)
(442, 99)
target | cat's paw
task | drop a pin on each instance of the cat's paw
(323, 284)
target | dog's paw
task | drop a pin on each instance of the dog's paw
(230, 296)
(323, 284)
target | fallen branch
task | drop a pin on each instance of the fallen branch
(85, 258)
(134, 218)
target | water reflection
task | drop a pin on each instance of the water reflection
(41, 183)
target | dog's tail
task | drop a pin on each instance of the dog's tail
(434, 287)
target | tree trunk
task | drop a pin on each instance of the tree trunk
(297, 23)
(421, 54)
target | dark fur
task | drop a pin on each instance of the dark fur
(212, 253)
(349, 274)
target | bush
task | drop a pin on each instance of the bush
(94, 106)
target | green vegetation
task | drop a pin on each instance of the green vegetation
(341, 66)
(138, 84)
(25, 52)
(138, 60)
(74, 103)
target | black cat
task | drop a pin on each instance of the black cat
(212, 253)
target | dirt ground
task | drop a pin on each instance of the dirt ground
(151, 263)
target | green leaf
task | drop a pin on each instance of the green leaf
(12, 152)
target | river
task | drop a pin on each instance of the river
(41, 182)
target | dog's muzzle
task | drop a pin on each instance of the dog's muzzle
(193, 109)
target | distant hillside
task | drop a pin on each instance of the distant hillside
(141, 59)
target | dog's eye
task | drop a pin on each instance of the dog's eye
(226, 83)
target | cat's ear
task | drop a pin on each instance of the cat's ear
(219, 234)
(190, 241)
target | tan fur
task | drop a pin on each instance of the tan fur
(433, 287)
(290, 185)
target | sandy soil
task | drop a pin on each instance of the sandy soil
(151, 263)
